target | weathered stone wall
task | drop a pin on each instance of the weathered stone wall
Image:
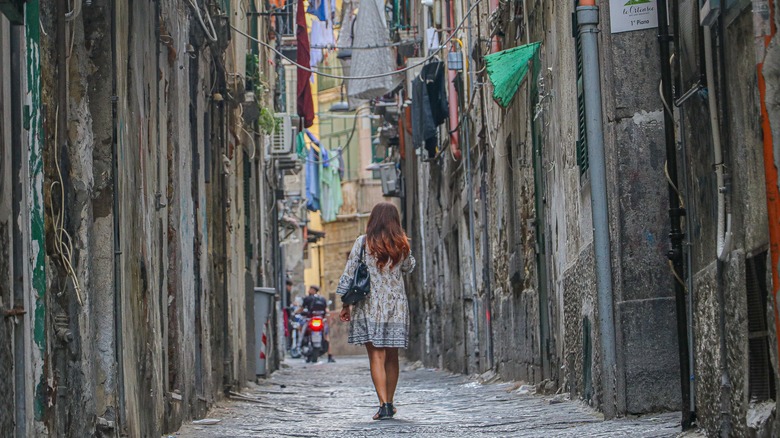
(7, 390)
(724, 404)
(146, 163)
(535, 280)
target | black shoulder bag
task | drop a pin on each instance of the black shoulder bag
(360, 286)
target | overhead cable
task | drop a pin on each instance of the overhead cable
(378, 46)
(375, 76)
(340, 150)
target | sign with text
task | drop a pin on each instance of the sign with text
(628, 15)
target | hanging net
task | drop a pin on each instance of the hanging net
(506, 70)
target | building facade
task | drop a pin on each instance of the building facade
(134, 227)
(502, 218)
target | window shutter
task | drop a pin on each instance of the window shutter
(581, 144)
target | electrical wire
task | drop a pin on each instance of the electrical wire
(212, 36)
(433, 54)
(340, 150)
(378, 46)
(70, 16)
(64, 248)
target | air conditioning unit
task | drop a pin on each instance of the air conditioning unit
(392, 184)
(282, 141)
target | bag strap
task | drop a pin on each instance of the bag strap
(363, 250)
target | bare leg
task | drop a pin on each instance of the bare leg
(376, 357)
(391, 370)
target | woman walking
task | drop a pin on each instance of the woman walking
(381, 320)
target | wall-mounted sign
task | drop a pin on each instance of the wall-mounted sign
(628, 15)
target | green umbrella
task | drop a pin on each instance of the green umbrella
(506, 70)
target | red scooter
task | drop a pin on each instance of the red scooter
(313, 344)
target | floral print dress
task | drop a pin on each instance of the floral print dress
(382, 318)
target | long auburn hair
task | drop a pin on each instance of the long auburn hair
(385, 238)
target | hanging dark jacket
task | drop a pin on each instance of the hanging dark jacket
(433, 74)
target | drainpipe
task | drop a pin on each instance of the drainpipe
(689, 214)
(119, 343)
(452, 95)
(724, 219)
(588, 20)
(676, 212)
(495, 45)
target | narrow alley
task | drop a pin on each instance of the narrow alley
(325, 399)
(580, 195)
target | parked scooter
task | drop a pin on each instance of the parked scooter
(295, 347)
(313, 344)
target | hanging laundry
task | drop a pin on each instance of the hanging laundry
(432, 36)
(370, 30)
(300, 146)
(341, 164)
(321, 36)
(312, 180)
(305, 104)
(429, 106)
(347, 26)
(319, 8)
(330, 186)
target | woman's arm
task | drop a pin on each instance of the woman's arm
(349, 270)
(408, 264)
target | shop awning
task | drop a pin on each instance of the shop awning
(506, 70)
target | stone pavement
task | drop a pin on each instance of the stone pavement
(337, 399)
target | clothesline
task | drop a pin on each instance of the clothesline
(433, 54)
(378, 46)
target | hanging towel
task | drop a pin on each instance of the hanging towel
(305, 104)
(331, 196)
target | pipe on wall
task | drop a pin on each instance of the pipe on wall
(452, 96)
(724, 219)
(118, 320)
(676, 212)
(588, 20)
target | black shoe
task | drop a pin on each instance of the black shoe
(385, 412)
(331, 359)
(391, 409)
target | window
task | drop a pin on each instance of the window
(582, 144)
(285, 20)
(761, 382)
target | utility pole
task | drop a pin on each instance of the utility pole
(588, 21)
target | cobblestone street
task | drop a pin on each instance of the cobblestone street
(338, 400)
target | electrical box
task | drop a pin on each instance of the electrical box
(392, 184)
